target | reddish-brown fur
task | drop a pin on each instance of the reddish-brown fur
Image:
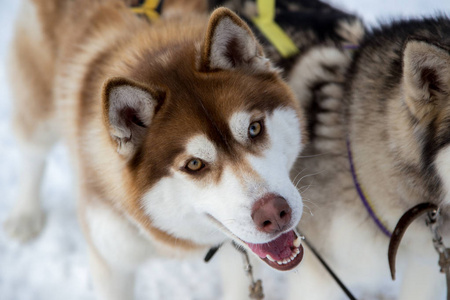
(84, 44)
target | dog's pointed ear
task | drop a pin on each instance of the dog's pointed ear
(128, 110)
(230, 44)
(426, 77)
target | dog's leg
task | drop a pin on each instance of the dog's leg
(31, 74)
(117, 248)
(110, 283)
(27, 217)
(113, 277)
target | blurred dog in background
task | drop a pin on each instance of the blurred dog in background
(379, 146)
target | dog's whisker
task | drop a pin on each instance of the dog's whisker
(310, 211)
(309, 175)
(296, 186)
(298, 181)
(229, 221)
(304, 188)
(309, 201)
(314, 155)
(216, 230)
(293, 180)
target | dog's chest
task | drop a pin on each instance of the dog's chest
(116, 238)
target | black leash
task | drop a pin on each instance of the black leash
(330, 271)
(211, 253)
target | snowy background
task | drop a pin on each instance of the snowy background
(54, 266)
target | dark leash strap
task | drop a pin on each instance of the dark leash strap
(329, 270)
(211, 253)
(433, 222)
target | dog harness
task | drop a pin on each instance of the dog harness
(265, 22)
(151, 9)
(268, 24)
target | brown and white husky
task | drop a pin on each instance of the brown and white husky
(182, 134)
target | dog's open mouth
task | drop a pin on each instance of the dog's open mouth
(284, 253)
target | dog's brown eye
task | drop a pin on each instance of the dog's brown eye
(195, 164)
(254, 129)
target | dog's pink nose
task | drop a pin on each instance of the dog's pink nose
(271, 214)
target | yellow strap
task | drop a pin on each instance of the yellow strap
(271, 30)
(148, 9)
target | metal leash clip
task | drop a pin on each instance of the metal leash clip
(255, 288)
(434, 222)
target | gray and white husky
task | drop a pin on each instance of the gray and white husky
(388, 133)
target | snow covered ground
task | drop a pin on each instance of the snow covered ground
(54, 266)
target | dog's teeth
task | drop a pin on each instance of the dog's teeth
(294, 255)
(297, 242)
(284, 261)
(270, 258)
(296, 251)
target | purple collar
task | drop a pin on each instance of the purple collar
(365, 200)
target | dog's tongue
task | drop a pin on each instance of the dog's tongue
(278, 249)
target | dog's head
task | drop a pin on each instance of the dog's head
(210, 132)
(426, 94)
